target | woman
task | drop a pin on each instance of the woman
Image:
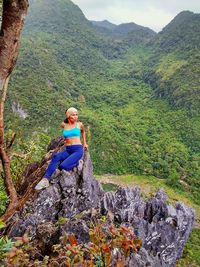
(72, 131)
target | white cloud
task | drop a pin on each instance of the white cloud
(151, 13)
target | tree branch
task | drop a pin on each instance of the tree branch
(14, 12)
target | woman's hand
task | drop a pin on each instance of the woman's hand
(85, 146)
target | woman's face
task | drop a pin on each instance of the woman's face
(73, 116)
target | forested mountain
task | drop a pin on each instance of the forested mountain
(125, 34)
(104, 24)
(116, 83)
(64, 27)
(181, 34)
(122, 29)
(174, 65)
(125, 28)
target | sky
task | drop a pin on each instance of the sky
(154, 14)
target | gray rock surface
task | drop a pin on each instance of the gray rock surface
(163, 229)
(77, 196)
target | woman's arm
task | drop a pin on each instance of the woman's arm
(83, 135)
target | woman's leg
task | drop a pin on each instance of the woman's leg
(54, 162)
(72, 160)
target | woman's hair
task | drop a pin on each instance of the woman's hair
(66, 120)
(68, 112)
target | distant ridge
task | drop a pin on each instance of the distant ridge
(121, 29)
(126, 28)
(104, 24)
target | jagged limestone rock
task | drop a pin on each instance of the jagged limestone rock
(162, 228)
(76, 196)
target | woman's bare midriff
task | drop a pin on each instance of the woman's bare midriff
(72, 141)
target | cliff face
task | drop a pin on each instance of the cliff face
(78, 196)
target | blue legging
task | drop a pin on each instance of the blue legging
(68, 158)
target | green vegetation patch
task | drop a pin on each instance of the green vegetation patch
(168, 66)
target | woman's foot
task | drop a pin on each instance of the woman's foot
(42, 184)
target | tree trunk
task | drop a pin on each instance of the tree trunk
(4, 155)
(14, 13)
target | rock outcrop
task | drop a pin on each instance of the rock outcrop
(162, 228)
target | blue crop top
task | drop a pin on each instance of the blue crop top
(74, 132)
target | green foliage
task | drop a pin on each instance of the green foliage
(15, 252)
(5, 244)
(191, 251)
(26, 152)
(2, 224)
(23, 153)
(173, 180)
(109, 187)
(3, 196)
